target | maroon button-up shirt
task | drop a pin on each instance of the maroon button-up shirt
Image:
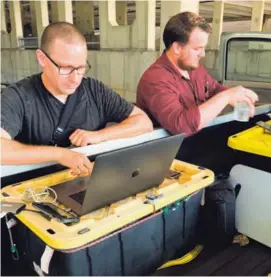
(170, 99)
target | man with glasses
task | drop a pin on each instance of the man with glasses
(32, 107)
(176, 91)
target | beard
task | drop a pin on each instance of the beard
(184, 66)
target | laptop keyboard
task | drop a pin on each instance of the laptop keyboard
(79, 196)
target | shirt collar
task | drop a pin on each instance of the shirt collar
(163, 60)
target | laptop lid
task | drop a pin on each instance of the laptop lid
(122, 173)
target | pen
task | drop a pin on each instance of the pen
(206, 90)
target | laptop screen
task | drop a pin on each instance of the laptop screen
(122, 173)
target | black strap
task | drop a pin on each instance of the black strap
(66, 114)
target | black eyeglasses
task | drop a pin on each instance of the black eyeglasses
(67, 70)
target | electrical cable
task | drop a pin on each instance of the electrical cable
(37, 194)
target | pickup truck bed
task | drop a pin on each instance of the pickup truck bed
(253, 259)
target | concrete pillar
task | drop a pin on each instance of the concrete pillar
(33, 18)
(170, 8)
(61, 10)
(24, 14)
(112, 36)
(64, 10)
(42, 17)
(3, 18)
(139, 35)
(112, 12)
(53, 11)
(84, 16)
(16, 23)
(143, 27)
(5, 36)
(267, 25)
(121, 12)
(257, 16)
(217, 24)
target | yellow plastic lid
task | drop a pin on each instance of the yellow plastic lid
(255, 140)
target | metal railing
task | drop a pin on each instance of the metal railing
(29, 43)
(93, 45)
(33, 43)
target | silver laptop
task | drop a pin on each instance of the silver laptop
(119, 174)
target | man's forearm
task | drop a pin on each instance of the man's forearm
(132, 126)
(16, 153)
(211, 108)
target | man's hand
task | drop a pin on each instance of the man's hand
(77, 162)
(83, 138)
(135, 124)
(241, 94)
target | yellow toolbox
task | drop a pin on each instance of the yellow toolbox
(122, 223)
(253, 146)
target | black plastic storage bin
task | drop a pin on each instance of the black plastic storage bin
(138, 249)
(253, 160)
(252, 147)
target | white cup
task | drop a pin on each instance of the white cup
(241, 112)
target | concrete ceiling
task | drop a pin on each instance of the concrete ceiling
(233, 10)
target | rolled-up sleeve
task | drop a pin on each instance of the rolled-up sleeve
(169, 110)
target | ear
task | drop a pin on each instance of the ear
(176, 47)
(40, 57)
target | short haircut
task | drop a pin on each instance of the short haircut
(60, 30)
(180, 26)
